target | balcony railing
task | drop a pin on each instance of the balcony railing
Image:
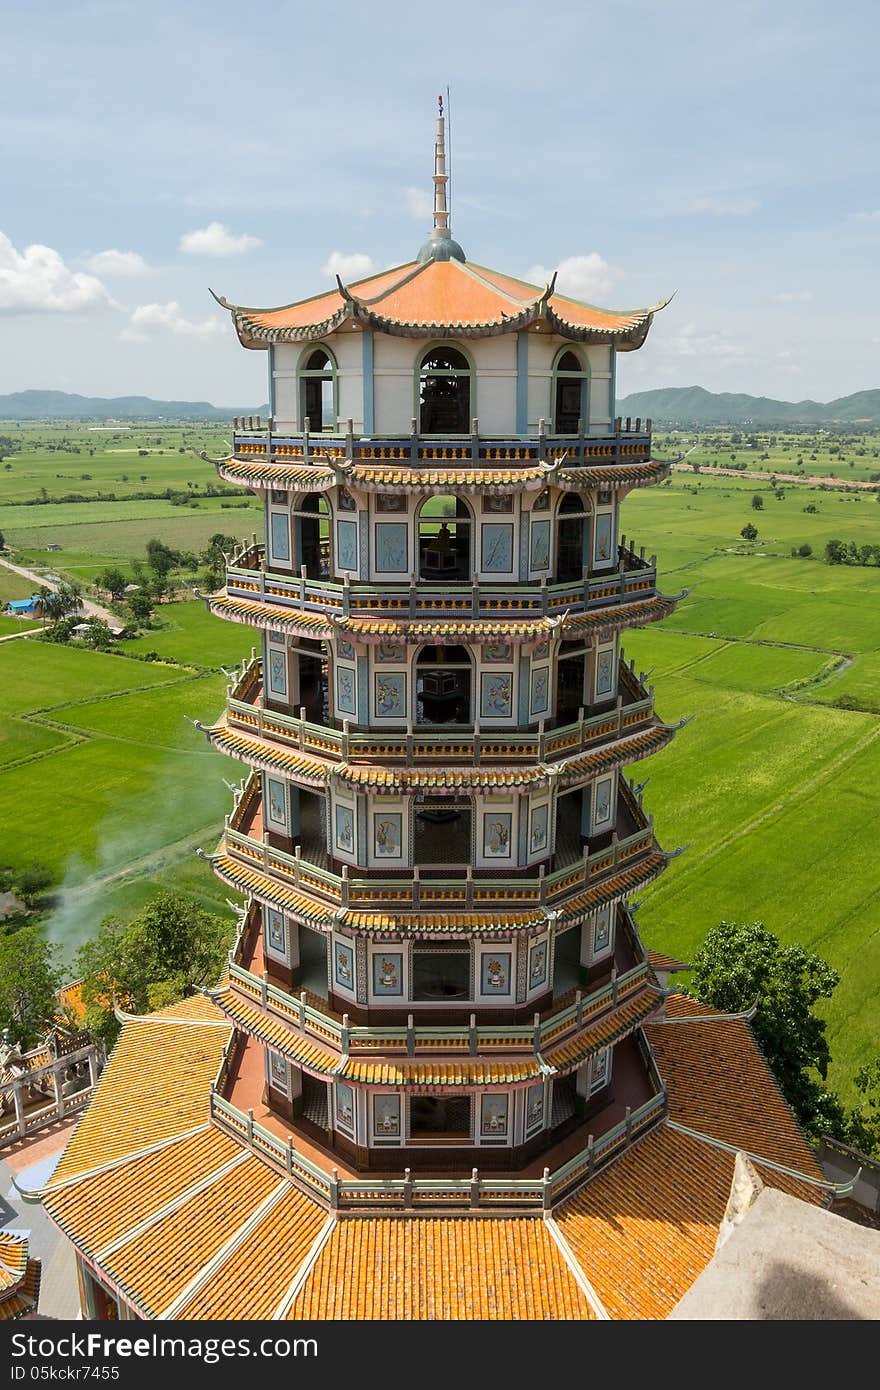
(41, 1095)
(366, 1194)
(635, 577)
(460, 890)
(634, 709)
(624, 444)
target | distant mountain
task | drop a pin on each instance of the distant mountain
(692, 405)
(58, 405)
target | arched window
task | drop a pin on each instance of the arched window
(444, 392)
(573, 538)
(571, 406)
(444, 676)
(444, 527)
(317, 390)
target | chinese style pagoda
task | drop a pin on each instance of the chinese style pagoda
(438, 1006)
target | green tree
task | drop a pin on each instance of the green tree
(98, 634)
(2, 541)
(740, 962)
(29, 978)
(749, 532)
(114, 581)
(31, 882)
(161, 558)
(835, 552)
(141, 607)
(163, 954)
(863, 1129)
(757, 502)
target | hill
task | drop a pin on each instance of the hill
(693, 405)
(59, 405)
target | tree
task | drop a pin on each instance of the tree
(835, 552)
(32, 882)
(749, 532)
(740, 962)
(98, 634)
(140, 607)
(757, 502)
(161, 558)
(161, 955)
(29, 978)
(2, 541)
(863, 1130)
(114, 581)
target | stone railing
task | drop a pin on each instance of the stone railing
(48, 1090)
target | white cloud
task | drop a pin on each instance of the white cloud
(352, 265)
(37, 280)
(148, 320)
(587, 277)
(113, 262)
(726, 207)
(690, 342)
(419, 203)
(217, 240)
(793, 297)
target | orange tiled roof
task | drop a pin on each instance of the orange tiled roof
(424, 1268)
(19, 1277)
(696, 1061)
(441, 298)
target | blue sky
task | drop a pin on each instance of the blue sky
(729, 153)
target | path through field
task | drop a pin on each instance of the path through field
(90, 608)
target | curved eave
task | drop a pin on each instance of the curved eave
(381, 923)
(308, 771)
(380, 477)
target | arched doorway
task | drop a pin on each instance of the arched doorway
(573, 538)
(312, 531)
(570, 394)
(317, 390)
(444, 527)
(445, 392)
(444, 686)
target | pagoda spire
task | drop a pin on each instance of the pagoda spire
(440, 246)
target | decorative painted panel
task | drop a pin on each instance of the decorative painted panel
(346, 545)
(539, 558)
(496, 695)
(390, 502)
(343, 965)
(492, 502)
(603, 798)
(276, 808)
(388, 973)
(277, 672)
(280, 536)
(390, 695)
(345, 501)
(345, 829)
(345, 691)
(539, 953)
(344, 1108)
(344, 649)
(494, 1115)
(600, 1070)
(497, 548)
(386, 1117)
(604, 537)
(534, 1118)
(497, 651)
(276, 935)
(539, 828)
(540, 690)
(541, 651)
(278, 1073)
(602, 930)
(388, 835)
(604, 672)
(391, 652)
(497, 842)
(542, 501)
(495, 972)
(391, 547)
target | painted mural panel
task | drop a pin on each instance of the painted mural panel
(388, 835)
(343, 965)
(540, 545)
(277, 672)
(388, 973)
(497, 548)
(280, 536)
(345, 829)
(496, 695)
(391, 547)
(495, 972)
(390, 695)
(494, 1115)
(345, 691)
(346, 545)
(497, 840)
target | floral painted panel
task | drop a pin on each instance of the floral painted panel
(602, 805)
(605, 671)
(541, 690)
(276, 801)
(497, 834)
(344, 1108)
(603, 536)
(494, 1115)
(346, 545)
(391, 652)
(277, 672)
(345, 693)
(388, 973)
(391, 547)
(497, 651)
(538, 833)
(390, 695)
(496, 695)
(540, 553)
(345, 829)
(275, 933)
(535, 1108)
(343, 965)
(495, 972)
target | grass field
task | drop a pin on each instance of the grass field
(774, 789)
(850, 455)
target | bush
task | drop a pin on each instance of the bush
(749, 532)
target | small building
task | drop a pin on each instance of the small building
(53, 545)
(25, 607)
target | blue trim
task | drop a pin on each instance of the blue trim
(272, 380)
(522, 383)
(369, 395)
(363, 691)
(524, 690)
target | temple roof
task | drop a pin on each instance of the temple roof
(437, 299)
(178, 1216)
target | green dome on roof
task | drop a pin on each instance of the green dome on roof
(440, 248)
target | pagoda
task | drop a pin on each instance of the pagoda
(438, 1007)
